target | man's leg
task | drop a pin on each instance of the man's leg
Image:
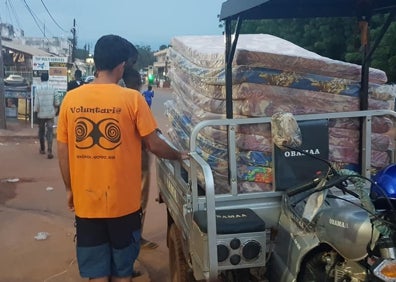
(50, 136)
(102, 279)
(145, 182)
(93, 249)
(118, 279)
(145, 195)
(41, 134)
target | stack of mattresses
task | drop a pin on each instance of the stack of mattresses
(269, 75)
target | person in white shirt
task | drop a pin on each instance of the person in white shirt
(46, 102)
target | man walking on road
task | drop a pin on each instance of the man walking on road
(149, 95)
(77, 82)
(101, 125)
(46, 102)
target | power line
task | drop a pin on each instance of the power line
(11, 6)
(52, 17)
(34, 18)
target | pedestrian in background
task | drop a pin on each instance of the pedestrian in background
(100, 132)
(133, 80)
(149, 95)
(76, 82)
(46, 103)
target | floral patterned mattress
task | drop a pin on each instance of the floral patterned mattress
(269, 75)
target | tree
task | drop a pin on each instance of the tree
(146, 57)
(81, 54)
(163, 47)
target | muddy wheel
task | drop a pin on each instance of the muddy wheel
(240, 275)
(314, 269)
(179, 268)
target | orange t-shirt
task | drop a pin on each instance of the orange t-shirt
(103, 125)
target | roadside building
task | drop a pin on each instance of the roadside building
(161, 67)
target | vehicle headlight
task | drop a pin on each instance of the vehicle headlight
(386, 270)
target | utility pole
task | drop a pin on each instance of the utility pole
(3, 124)
(74, 41)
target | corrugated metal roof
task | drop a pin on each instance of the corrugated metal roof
(25, 49)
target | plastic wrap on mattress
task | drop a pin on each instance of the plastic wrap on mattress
(266, 100)
(378, 124)
(384, 92)
(269, 75)
(267, 51)
(222, 185)
(343, 145)
(210, 82)
(349, 155)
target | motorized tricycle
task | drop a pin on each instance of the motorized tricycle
(327, 227)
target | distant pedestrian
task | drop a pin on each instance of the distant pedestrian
(46, 103)
(77, 82)
(149, 95)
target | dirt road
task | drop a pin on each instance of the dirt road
(33, 203)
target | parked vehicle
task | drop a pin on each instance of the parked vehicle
(89, 79)
(326, 229)
(15, 80)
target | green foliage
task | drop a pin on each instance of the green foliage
(163, 47)
(81, 54)
(146, 57)
(336, 38)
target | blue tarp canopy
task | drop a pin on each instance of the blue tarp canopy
(278, 9)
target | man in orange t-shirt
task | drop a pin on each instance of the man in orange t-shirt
(101, 128)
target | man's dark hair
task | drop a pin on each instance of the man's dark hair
(132, 78)
(149, 87)
(111, 50)
(44, 76)
(77, 74)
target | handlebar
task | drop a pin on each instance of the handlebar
(302, 188)
(337, 181)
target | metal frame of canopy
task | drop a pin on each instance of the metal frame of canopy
(239, 11)
(236, 10)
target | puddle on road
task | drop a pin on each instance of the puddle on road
(8, 187)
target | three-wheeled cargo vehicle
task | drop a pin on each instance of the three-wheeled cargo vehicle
(317, 222)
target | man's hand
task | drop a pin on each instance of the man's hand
(70, 203)
(184, 156)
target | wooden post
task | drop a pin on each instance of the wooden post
(3, 124)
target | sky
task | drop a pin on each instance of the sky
(143, 22)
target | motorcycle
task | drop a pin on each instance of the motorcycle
(340, 226)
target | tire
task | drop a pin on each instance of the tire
(314, 269)
(240, 275)
(179, 268)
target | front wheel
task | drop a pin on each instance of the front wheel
(316, 268)
(179, 268)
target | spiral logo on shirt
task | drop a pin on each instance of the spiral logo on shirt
(106, 133)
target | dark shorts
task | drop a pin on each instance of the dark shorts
(108, 246)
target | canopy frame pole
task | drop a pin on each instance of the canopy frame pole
(230, 48)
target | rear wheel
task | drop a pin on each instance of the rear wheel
(179, 268)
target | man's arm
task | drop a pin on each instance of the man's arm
(161, 148)
(63, 156)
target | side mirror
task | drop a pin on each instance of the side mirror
(285, 131)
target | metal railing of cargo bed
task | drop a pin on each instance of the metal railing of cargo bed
(196, 161)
